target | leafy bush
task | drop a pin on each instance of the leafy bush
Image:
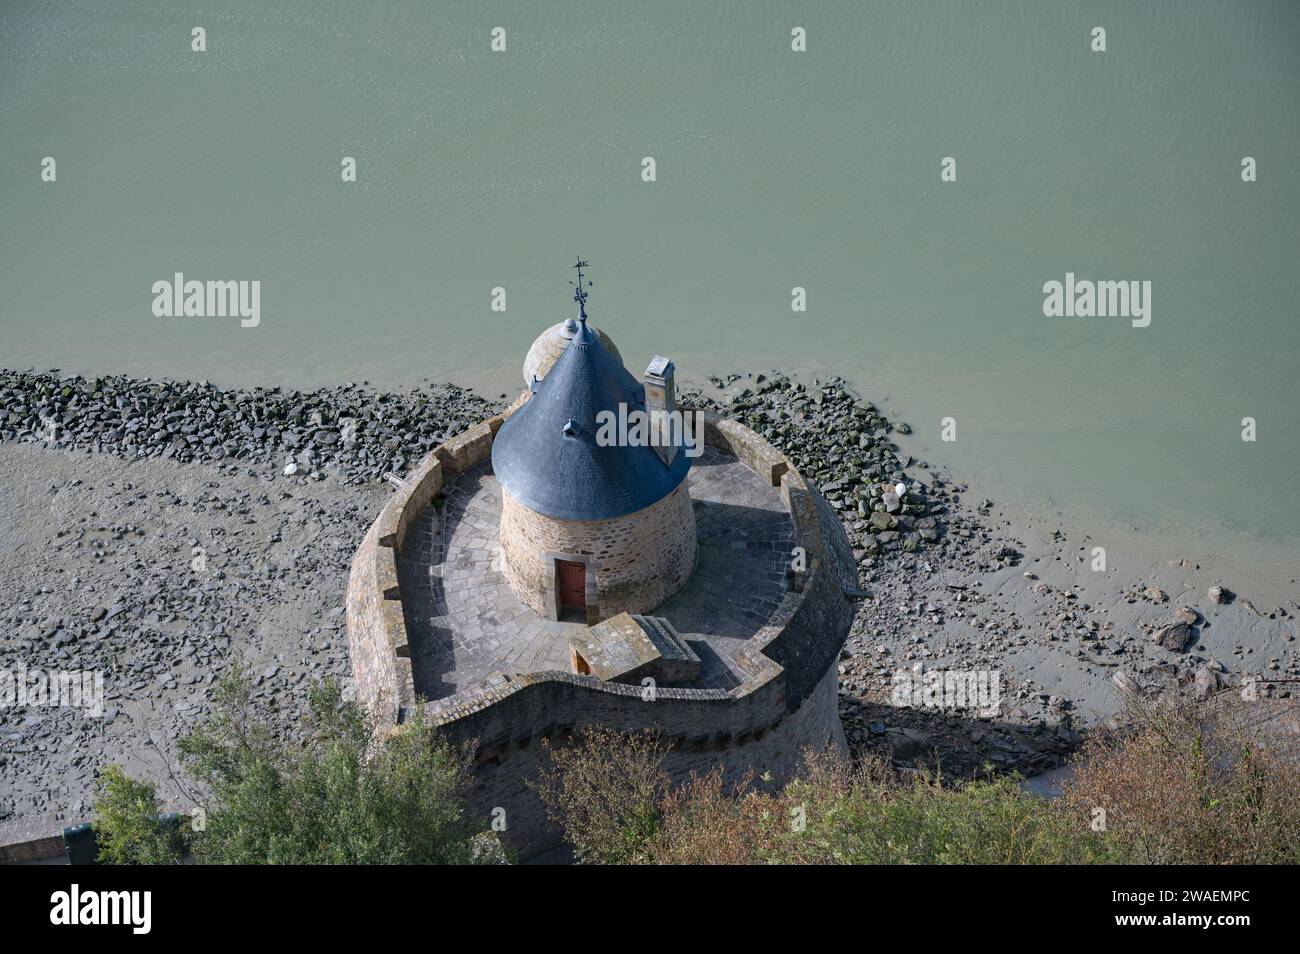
(1189, 783)
(834, 814)
(1184, 784)
(605, 790)
(128, 828)
(346, 797)
(611, 795)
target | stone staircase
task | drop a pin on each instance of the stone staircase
(629, 648)
(677, 661)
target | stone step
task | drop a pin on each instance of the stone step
(628, 648)
(670, 643)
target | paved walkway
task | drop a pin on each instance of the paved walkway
(464, 622)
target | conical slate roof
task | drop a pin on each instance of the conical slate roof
(546, 455)
(550, 344)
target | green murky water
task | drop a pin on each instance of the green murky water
(775, 169)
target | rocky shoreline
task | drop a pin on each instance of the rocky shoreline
(352, 431)
(952, 585)
(158, 531)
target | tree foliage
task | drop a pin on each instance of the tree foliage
(1183, 784)
(128, 827)
(348, 796)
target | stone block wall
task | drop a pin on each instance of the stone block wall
(634, 562)
(737, 732)
(381, 664)
(748, 447)
(378, 646)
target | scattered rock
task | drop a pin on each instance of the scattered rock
(1205, 683)
(348, 429)
(1173, 636)
(882, 521)
(1124, 682)
(907, 743)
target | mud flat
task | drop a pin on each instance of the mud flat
(159, 531)
(158, 575)
(957, 584)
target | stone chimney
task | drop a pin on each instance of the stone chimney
(666, 428)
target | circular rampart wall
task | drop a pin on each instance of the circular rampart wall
(785, 706)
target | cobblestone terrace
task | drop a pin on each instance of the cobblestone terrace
(464, 622)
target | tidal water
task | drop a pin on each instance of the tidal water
(773, 169)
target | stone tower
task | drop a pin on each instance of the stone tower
(590, 527)
(743, 656)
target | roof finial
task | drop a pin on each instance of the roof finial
(580, 291)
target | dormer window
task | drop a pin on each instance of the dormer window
(571, 428)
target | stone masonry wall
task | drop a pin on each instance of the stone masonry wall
(381, 665)
(377, 641)
(737, 733)
(638, 560)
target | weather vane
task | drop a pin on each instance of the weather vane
(580, 290)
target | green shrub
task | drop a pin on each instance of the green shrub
(346, 797)
(612, 797)
(605, 790)
(1183, 784)
(834, 814)
(128, 828)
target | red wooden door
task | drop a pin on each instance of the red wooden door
(572, 583)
